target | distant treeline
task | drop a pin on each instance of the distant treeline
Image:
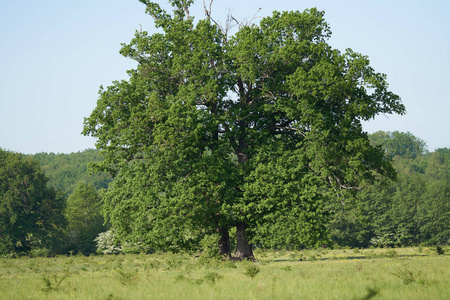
(50, 203)
(64, 171)
(413, 210)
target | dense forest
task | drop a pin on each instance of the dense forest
(64, 171)
(414, 209)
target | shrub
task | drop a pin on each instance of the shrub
(106, 243)
(391, 253)
(210, 249)
(125, 277)
(52, 281)
(252, 270)
(386, 240)
(212, 277)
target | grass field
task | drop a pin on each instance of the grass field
(406, 273)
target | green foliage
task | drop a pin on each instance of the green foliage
(106, 243)
(213, 131)
(387, 240)
(409, 277)
(85, 220)
(52, 281)
(174, 263)
(210, 251)
(401, 144)
(288, 268)
(31, 214)
(212, 277)
(65, 171)
(251, 270)
(412, 210)
(125, 276)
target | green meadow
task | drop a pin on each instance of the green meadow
(402, 273)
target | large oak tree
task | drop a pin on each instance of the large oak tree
(214, 131)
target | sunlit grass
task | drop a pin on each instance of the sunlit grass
(401, 273)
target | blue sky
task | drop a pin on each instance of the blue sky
(54, 56)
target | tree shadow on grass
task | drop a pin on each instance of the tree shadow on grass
(354, 257)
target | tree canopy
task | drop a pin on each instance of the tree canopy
(214, 131)
(64, 171)
(412, 210)
(84, 217)
(31, 214)
(402, 144)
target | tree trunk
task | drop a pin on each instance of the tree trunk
(224, 243)
(243, 247)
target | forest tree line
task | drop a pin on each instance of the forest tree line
(413, 210)
(51, 203)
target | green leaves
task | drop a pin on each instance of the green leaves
(213, 131)
(30, 213)
(84, 216)
(409, 211)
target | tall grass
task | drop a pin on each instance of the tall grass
(406, 273)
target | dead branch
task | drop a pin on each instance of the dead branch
(208, 10)
(254, 16)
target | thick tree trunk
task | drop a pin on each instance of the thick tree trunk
(243, 247)
(224, 243)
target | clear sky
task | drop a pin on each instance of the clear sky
(54, 55)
